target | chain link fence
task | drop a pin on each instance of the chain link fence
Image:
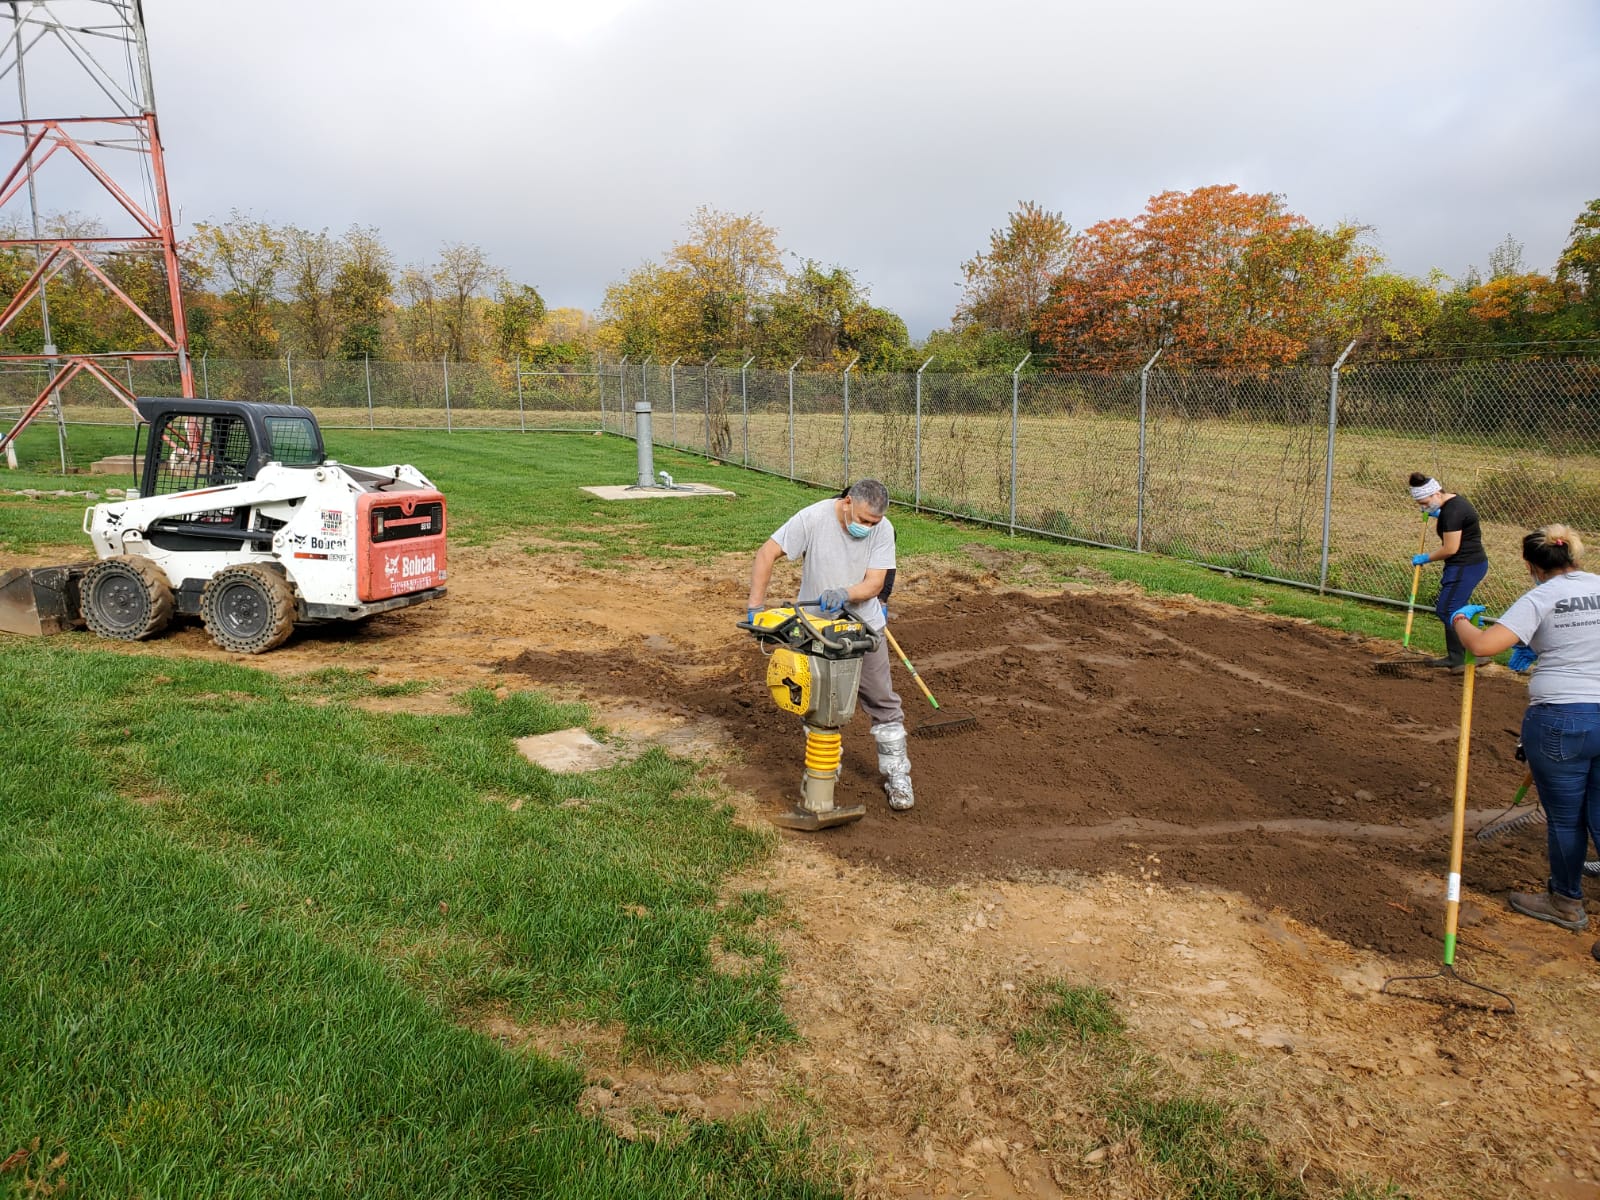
(1296, 474)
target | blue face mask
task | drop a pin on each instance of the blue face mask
(1433, 512)
(857, 531)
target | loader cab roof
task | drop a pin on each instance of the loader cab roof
(201, 443)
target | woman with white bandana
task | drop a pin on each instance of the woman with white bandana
(1461, 551)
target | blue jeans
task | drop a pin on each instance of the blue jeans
(1562, 742)
(1455, 589)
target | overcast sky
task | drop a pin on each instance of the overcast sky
(572, 139)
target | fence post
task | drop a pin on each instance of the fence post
(205, 375)
(445, 364)
(1016, 388)
(705, 381)
(1327, 489)
(289, 362)
(1144, 399)
(916, 435)
(367, 361)
(522, 416)
(644, 382)
(672, 391)
(797, 362)
(847, 371)
(744, 403)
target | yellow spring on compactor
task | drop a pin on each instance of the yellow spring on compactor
(823, 752)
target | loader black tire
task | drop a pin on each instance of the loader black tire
(126, 598)
(248, 609)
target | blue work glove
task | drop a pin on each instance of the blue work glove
(1418, 560)
(1469, 611)
(833, 600)
(1522, 657)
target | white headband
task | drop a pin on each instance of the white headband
(1423, 490)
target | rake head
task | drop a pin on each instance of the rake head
(1400, 666)
(1503, 824)
(943, 725)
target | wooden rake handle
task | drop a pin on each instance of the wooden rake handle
(1416, 578)
(902, 655)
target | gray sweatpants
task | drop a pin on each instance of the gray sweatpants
(877, 695)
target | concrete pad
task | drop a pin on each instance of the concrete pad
(566, 750)
(612, 491)
(116, 464)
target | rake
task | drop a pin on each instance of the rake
(1399, 666)
(1509, 822)
(1452, 909)
(1506, 823)
(939, 726)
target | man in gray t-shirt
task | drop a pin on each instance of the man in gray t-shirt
(846, 549)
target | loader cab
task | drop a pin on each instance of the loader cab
(202, 445)
(195, 444)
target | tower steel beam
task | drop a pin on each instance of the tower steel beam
(92, 56)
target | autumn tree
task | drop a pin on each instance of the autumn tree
(461, 278)
(1215, 274)
(824, 317)
(311, 264)
(1396, 314)
(704, 299)
(419, 318)
(246, 257)
(518, 312)
(731, 265)
(1579, 265)
(650, 312)
(1005, 288)
(363, 294)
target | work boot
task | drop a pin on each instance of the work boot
(1547, 906)
(894, 763)
(898, 788)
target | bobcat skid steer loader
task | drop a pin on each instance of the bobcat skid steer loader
(239, 519)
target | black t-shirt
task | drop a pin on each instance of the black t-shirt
(1457, 513)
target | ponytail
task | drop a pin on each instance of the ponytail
(1552, 548)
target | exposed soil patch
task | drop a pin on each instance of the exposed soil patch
(1157, 740)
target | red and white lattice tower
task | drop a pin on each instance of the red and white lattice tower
(78, 190)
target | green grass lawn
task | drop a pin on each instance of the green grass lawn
(247, 925)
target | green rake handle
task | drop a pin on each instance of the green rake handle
(1527, 781)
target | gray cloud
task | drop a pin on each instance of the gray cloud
(572, 141)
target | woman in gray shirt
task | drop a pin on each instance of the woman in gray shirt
(1555, 629)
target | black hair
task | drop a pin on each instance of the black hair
(1552, 548)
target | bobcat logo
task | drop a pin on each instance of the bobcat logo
(391, 566)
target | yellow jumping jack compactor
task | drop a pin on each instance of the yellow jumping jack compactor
(814, 671)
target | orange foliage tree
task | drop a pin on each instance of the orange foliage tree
(1214, 275)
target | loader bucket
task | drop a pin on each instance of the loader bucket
(40, 600)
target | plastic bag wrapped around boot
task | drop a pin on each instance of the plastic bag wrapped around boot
(894, 763)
